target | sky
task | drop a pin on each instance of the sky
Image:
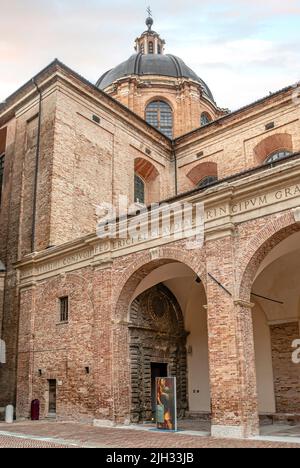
(243, 49)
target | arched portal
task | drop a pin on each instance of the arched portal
(166, 329)
(157, 349)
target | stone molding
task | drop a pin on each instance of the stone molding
(244, 304)
(225, 207)
(296, 212)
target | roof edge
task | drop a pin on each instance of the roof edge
(238, 111)
(56, 64)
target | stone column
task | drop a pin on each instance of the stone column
(231, 348)
(146, 46)
(156, 45)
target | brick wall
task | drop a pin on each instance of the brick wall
(95, 163)
(231, 143)
(82, 163)
(16, 216)
(286, 373)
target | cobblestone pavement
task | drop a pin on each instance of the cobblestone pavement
(14, 442)
(63, 435)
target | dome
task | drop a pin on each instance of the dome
(152, 64)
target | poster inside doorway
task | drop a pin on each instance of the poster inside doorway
(166, 404)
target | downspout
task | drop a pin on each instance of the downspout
(176, 169)
(36, 175)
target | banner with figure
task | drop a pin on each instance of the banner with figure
(166, 405)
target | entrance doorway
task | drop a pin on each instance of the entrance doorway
(157, 370)
(157, 349)
(52, 397)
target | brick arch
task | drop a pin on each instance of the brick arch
(145, 169)
(203, 170)
(140, 267)
(271, 144)
(162, 98)
(274, 232)
(126, 281)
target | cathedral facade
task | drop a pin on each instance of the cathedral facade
(89, 323)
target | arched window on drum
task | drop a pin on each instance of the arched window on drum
(205, 119)
(160, 115)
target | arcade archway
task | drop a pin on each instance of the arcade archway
(271, 278)
(167, 332)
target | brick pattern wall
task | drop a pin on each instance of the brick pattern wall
(16, 216)
(286, 373)
(236, 144)
(63, 352)
(97, 336)
(231, 346)
(95, 163)
(82, 163)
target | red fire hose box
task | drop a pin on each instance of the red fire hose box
(35, 410)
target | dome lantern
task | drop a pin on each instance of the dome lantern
(150, 59)
(149, 42)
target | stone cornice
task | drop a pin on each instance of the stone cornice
(243, 304)
(28, 91)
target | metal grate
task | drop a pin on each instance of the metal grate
(64, 309)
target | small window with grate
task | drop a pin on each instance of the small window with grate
(151, 48)
(64, 309)
(96, 119)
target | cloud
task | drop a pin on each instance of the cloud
(242, 49)
(242, 71)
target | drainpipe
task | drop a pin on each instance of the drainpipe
(37, 158)
(176, 170)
